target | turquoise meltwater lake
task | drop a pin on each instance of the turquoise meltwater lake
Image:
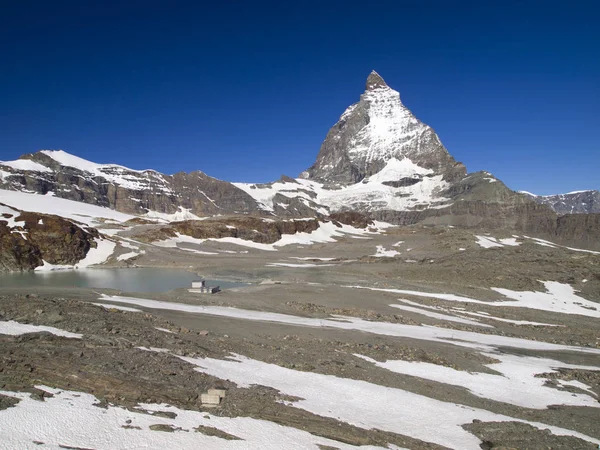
(128, 280)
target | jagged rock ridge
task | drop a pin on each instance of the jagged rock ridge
(578, 202)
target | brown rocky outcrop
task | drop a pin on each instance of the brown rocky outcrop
(41, 237)
(255, 229)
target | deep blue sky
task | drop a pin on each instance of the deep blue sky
(246, 91)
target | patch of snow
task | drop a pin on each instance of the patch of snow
(515, 384)
(26, 164)
(420, 310)
(126, 256)
(181, 214)
(11, 222)
(383, 253)
(164, 330)
(98, 255)
(560, 298)
(553, 245)
(119, 307)
(514, 322)
(13, 328)
(488, 242)
(298, 265)
(309, 258)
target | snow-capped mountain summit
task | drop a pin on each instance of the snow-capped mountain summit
(372, 132)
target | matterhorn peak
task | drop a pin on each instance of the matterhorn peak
(374, 81)
(373, 131)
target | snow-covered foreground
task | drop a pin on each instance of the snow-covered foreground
(71, 420)
(485, 342)
(559, 298)
(361, 403)
(13, 328)
(365, 405)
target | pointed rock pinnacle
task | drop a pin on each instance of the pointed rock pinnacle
(374, 81)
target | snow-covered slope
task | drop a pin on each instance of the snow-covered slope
(400, 186)
(48, 204)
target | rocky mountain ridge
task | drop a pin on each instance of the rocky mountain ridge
(123, 189)
(378, 159)
(577, 202)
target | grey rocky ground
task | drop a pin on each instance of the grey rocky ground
(108, 363)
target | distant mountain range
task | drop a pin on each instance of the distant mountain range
(377, 159)
(578, 202)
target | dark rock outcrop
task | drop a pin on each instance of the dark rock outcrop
(35, 238)
(255, 229)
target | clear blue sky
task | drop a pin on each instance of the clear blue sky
(246, 91)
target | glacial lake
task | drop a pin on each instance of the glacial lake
(147, 279)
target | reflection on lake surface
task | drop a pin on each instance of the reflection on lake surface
(127, 280)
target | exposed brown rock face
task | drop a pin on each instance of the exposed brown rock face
(354, 218)
(579, 229)
(37, 237)
(253, 229)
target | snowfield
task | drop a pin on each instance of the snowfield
(72, 420)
